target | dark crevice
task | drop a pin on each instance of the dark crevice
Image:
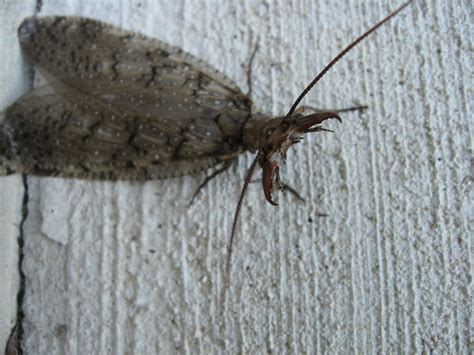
(21, 243)
(16, 336)
(39, 6)
(31, 70)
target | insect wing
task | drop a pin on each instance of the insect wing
(124, 101)
(70, 134)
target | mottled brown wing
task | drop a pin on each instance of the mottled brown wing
(73, 135)
(123, 106)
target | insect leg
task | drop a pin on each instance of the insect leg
(227, 164)
(285, 187)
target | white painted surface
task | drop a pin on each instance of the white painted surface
(13, 82)
(128, 268)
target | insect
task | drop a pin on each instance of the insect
(122, 106)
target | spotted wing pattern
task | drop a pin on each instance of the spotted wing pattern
(119, 106)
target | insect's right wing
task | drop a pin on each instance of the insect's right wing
(56, 131)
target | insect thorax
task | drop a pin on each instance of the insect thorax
(254, 134)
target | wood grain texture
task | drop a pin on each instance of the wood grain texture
(128, 268)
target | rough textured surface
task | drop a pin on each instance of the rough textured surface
(128, 268)
(13, 82)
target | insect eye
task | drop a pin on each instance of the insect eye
(284, 125)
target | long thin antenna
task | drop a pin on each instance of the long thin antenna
(342, 54)
(248, 177)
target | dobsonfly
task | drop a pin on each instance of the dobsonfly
(122, 106)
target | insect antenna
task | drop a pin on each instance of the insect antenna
(340, 55)
(247, 180)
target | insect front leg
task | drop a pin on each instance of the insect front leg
(286, 187)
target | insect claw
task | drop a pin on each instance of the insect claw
(272, 202)
(309, 121)
(268, 197)
(270, 173)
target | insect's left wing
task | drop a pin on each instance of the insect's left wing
(133, 82)
(142, 74)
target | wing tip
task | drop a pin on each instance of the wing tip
(27, 28)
